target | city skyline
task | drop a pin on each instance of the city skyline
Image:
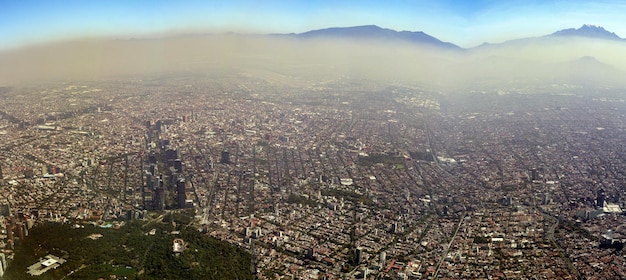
(462, 23)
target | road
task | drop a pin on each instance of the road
(445, 253)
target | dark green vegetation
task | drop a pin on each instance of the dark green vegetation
(348, 195)
(129, 252)
(481, 240)
(298, 199)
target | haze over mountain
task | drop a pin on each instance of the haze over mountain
(589, 31)
(586, 56)
(373, 32)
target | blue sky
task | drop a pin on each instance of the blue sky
(463, 22)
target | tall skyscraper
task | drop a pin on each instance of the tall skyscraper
(181, 193)
(600, 198)
(309, 253)
(159, 199)
(546, 199)
(5, 210)
(225, 159)
(158, 125)
(171, 154)
(358, 255)
(534, 174)
(178, 165)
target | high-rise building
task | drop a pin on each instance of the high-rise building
(164, 144)
(153, 169)
(158, 125)
(309, 253)
(5, 210)
(534, 174)
(507, 201)
(358, 255)
(394, 227)
(152, 159)
(225, 159)
(181, 193)
(178, 165)
(601, 198)
(383, 259)
(171, 154)
(546, 199)
(159, 199)
(25, 229)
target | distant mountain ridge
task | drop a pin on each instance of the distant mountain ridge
(377, 33)
(373, 32)
(589, 31)
(585, 32)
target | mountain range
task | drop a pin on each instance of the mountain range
(373, 32)
(376, 33)
(589, 31)
(575, 53)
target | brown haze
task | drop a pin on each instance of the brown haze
(539, 60)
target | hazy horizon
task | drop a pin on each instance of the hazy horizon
(549, 60)
(466, 24)
(97, 40)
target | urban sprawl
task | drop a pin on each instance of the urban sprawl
(334, 179)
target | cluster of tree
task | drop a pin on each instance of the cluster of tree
(348, 195)
(298, 199)
(481, 240)
(129, 252)
(420, 155)
(181, 218)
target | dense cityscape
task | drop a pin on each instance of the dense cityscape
(343, 178)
